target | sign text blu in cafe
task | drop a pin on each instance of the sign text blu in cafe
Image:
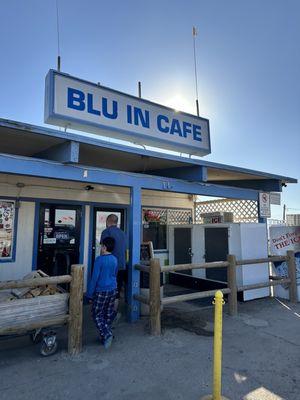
(86, 106)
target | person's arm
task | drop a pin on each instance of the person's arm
(95, 277)
(104, 235)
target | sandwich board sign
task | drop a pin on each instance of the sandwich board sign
(81, 105)
(282, 239)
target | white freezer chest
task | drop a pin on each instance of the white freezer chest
(212, 242)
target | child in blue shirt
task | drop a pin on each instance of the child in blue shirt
(102, 291)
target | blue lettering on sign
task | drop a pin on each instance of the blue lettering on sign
(129, 114)
(175, 127)
(114, 114)
(197, 133)
(140, 118)
(76, 99)
(186, 128)
(90, 108)
(162, 127)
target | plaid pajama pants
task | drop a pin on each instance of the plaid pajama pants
(103, 312)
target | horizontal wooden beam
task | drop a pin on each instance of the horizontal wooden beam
(142, 299)
(31, 283)
(43, 323)
(192, 296)
(144, 268)
(263, 285)
(261, 260)
(182, 267)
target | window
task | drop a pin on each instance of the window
(156, 220)
(7, 217)
(155, 227)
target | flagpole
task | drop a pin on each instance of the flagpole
(195, 67)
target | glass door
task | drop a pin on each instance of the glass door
(100, 216)
(59, 238)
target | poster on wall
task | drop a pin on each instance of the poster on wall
(282, 239)
(65, 217)
(7, 212)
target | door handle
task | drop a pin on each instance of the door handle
(190, 253)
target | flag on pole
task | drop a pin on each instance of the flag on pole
(194, 31)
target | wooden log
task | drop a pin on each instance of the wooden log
(154, 294)
(192, 296)
(261, 260)
(24, 311)
(275, 278)
(42, 323)
(292, 271)
(263, 284)
(217, 264)
(232, 284)
(33, 283)
(142, 299)
(76, 310)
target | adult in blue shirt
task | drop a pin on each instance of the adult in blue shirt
(119, 251)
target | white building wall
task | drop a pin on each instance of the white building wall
(165, 199)
(65, 190)
(36, 188)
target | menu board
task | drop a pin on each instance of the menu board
(7, 214)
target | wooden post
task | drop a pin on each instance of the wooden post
(154, 294)
(232, 284)
(293, 276)
(75, 310)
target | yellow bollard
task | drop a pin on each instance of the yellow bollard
(217, 368)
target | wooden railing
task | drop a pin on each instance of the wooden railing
(74, 316)
(155, 301)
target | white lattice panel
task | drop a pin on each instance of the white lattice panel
(168, 216)
(180, 217)
(243, 210)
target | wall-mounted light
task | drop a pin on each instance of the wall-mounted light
(89, 187)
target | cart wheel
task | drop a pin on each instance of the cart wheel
(48, 346)
(36, 337)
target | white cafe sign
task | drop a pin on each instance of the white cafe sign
(78, 104)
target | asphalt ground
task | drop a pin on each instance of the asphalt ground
(261, 359)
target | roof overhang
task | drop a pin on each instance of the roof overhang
(41, 142)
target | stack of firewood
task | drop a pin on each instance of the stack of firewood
(28, 293)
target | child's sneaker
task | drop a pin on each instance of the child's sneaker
(107, 343)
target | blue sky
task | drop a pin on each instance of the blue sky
(248, 63)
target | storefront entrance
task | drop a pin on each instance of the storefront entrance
(59, 238)
(99, 219)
